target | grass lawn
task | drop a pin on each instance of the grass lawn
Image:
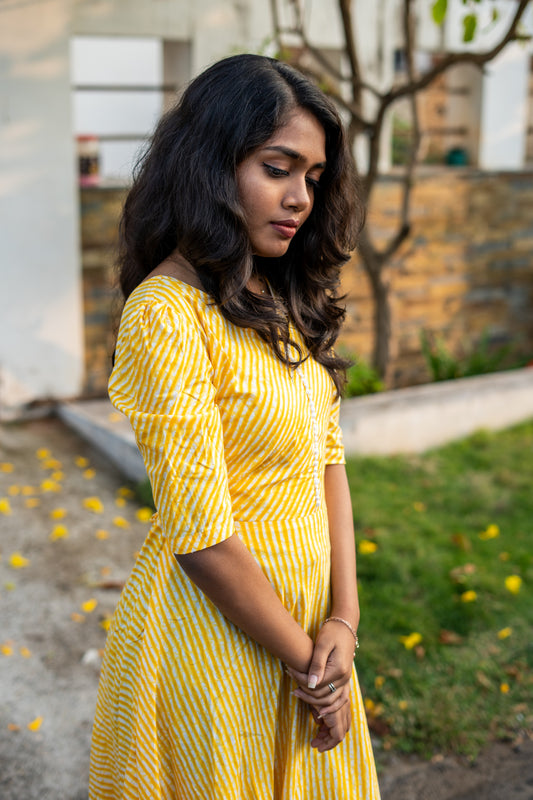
(445, 567)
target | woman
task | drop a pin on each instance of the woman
(229, 665)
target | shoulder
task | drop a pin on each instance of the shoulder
(165, 302)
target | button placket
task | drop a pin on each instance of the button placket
(314, 427)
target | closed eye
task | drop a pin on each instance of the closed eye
(275, 172)
(314, 184)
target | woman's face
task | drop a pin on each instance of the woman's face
(277, 183)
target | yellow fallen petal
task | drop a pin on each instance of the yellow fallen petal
(25, 652)
(365, 547)
(5, 506)
(58, 532)
(403, 705)
(418, 506)
(120, 502)
(369, 704)
(43, 453)
(504, 556)
(93, 504)
(35, 724)
(89, 605)
(49, 485)
(105, 623)
(57, 475)
(105, 571)
(513, 583)
(120, 522)
(80, 461)
(504, 688)
(125, 491)
(13, 727)
(379, 680)
(9, 586)
(504, 633)
(13, 491)
(51, 463)
(58, 513)
(75, 617)
(27, 490)
(411, 640)
(145, 514)
(5, 466)
(32, 502)
(469, 596)
(491, 532)
(89, 473)
(114, 416)
(6, 650)
(17, 561)
(101, 534)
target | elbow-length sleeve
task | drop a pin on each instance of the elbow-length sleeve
(162, 382)
(334, 445)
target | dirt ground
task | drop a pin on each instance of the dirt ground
(51, 633)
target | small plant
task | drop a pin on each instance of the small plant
(479, 361)
(361, 379)
(143, 493)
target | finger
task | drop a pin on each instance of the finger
(324, 699)
(323, 689)
(319, 702)
(334, 707)
(299, 677)
(318, 664)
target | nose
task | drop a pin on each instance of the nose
(298, 195)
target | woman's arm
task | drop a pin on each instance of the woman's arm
(233, 580)
(334, 649)
(344, 600)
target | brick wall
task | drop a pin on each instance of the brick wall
(467, 270)
(100, 213)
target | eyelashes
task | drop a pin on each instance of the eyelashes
(276, 172)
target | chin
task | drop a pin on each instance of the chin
(273, 251)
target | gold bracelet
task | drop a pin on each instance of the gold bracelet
(344, 622)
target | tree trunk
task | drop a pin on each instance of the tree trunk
(373, 265)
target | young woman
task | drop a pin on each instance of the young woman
(228, 672)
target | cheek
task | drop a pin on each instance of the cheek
(251, 195)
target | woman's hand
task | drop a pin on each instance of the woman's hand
(332, 663)
(332, 728)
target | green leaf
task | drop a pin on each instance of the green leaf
(469, 27)
(495, 15)
(438, 11)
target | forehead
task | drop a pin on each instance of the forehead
(304, 134)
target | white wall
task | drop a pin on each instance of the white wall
(40, 305)
(41, 338)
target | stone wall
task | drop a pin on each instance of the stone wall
(100, 213)
(466, 271)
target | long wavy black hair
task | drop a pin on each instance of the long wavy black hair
(184, 196)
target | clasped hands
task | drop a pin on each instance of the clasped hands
(332, 662)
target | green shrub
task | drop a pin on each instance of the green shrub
(444, 366)
(361, 379)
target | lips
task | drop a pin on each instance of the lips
(286, 227)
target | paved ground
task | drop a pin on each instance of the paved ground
(51, 634)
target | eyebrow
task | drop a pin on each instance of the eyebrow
(287, 151)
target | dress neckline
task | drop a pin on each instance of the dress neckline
(178, 281)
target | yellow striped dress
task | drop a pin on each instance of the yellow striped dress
(234, 442)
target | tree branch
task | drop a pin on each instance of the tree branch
(478, 59)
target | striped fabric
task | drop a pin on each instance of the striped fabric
(189, 707)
